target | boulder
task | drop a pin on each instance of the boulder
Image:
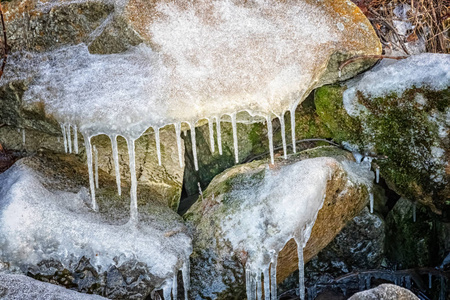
(399, 118)
(385, 291)
(233, 229)
(19, 287)
(48, 231)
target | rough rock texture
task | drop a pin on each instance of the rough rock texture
(385, 291)
(49, 232)
(217, 268)
(408, 137)
(19, 287)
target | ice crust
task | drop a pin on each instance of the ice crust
(281, 206)
(37, 224)
(20, 287)
(428, 70)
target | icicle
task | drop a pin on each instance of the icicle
(430, 285)
(443, 289)
(266, 283)
(75, 138)
(270, 136)
(158, 145)
(273, 276)
(115, 152)
(175, 286)
(167, 289)
(178, 134)
(340, 73)
(248, 285)
(64, 137)
(371, 202)
(219, 135)
(194, 145)
(186, 278)
(283, 135)
(23, 137)
(258, 285)
(211, 135)
(358, 157)
(96, 166)
(235, 138)
(414, 211)
(368, 283)
(69, 138)
(87, 145)
(377, 175)
(301, 269)
(133, 189)
(294, 145)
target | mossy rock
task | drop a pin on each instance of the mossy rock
(409, 138)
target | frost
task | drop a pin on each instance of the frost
(68, 230)
(399, 77)
(19, 287)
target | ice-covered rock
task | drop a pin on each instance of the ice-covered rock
(250, 214)
(20, 287)
(385, 291)
(398, 114)
(50, 232)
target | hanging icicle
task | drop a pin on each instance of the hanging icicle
(180, 152)
(211, 134)
(270, 136)
(194, 145)
(115, 152)
(301, 268)
(283, 135)
(63, 127)
(219, 135)
(75, 138)
(96, 166)
(235, 138)
(294, 146)
(158, 145)
(87, 145)
(133, 189)
(69, 138)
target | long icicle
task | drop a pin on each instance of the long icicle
(258, 285)
(194, 145)
(186, 272)
(133, 189)
(175, 286)
(301, 268)
(75, 138)
(69, 138)
(211, 135)
(23, 137)
(283, 135)
(87, 145)
(115, 152)
(219, 135)
(294, 146)
(178, 134)
(235, 138)
(266, 283)
(158, 145)
(63, 127)
(270, 136)
(248, 285)
(273, 276)
(96, 166)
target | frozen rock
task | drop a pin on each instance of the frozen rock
(50, 232)
(251, 212)
(19, 287)
(385, 291)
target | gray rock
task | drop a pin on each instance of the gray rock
(385, 292)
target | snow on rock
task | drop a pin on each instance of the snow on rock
(428, 70)
(385, 291)
(42, 225)
(254, 210)
(20, 287)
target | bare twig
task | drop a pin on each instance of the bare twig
(349, 61)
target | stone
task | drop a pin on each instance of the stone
(18, 287)
(385, 291)
(49, 232)
(406, 132)
(218, 268)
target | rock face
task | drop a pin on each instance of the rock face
(221, 249)
(19, 287)
(385, 291)
(49, 232)
(400, 119)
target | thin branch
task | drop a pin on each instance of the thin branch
(349, 61)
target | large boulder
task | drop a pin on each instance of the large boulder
(399, 117)
(385, 291)
(48, 231)
(245, 215)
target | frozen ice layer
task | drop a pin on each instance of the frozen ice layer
(38, 224)
(20, 287)
(428, 70)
